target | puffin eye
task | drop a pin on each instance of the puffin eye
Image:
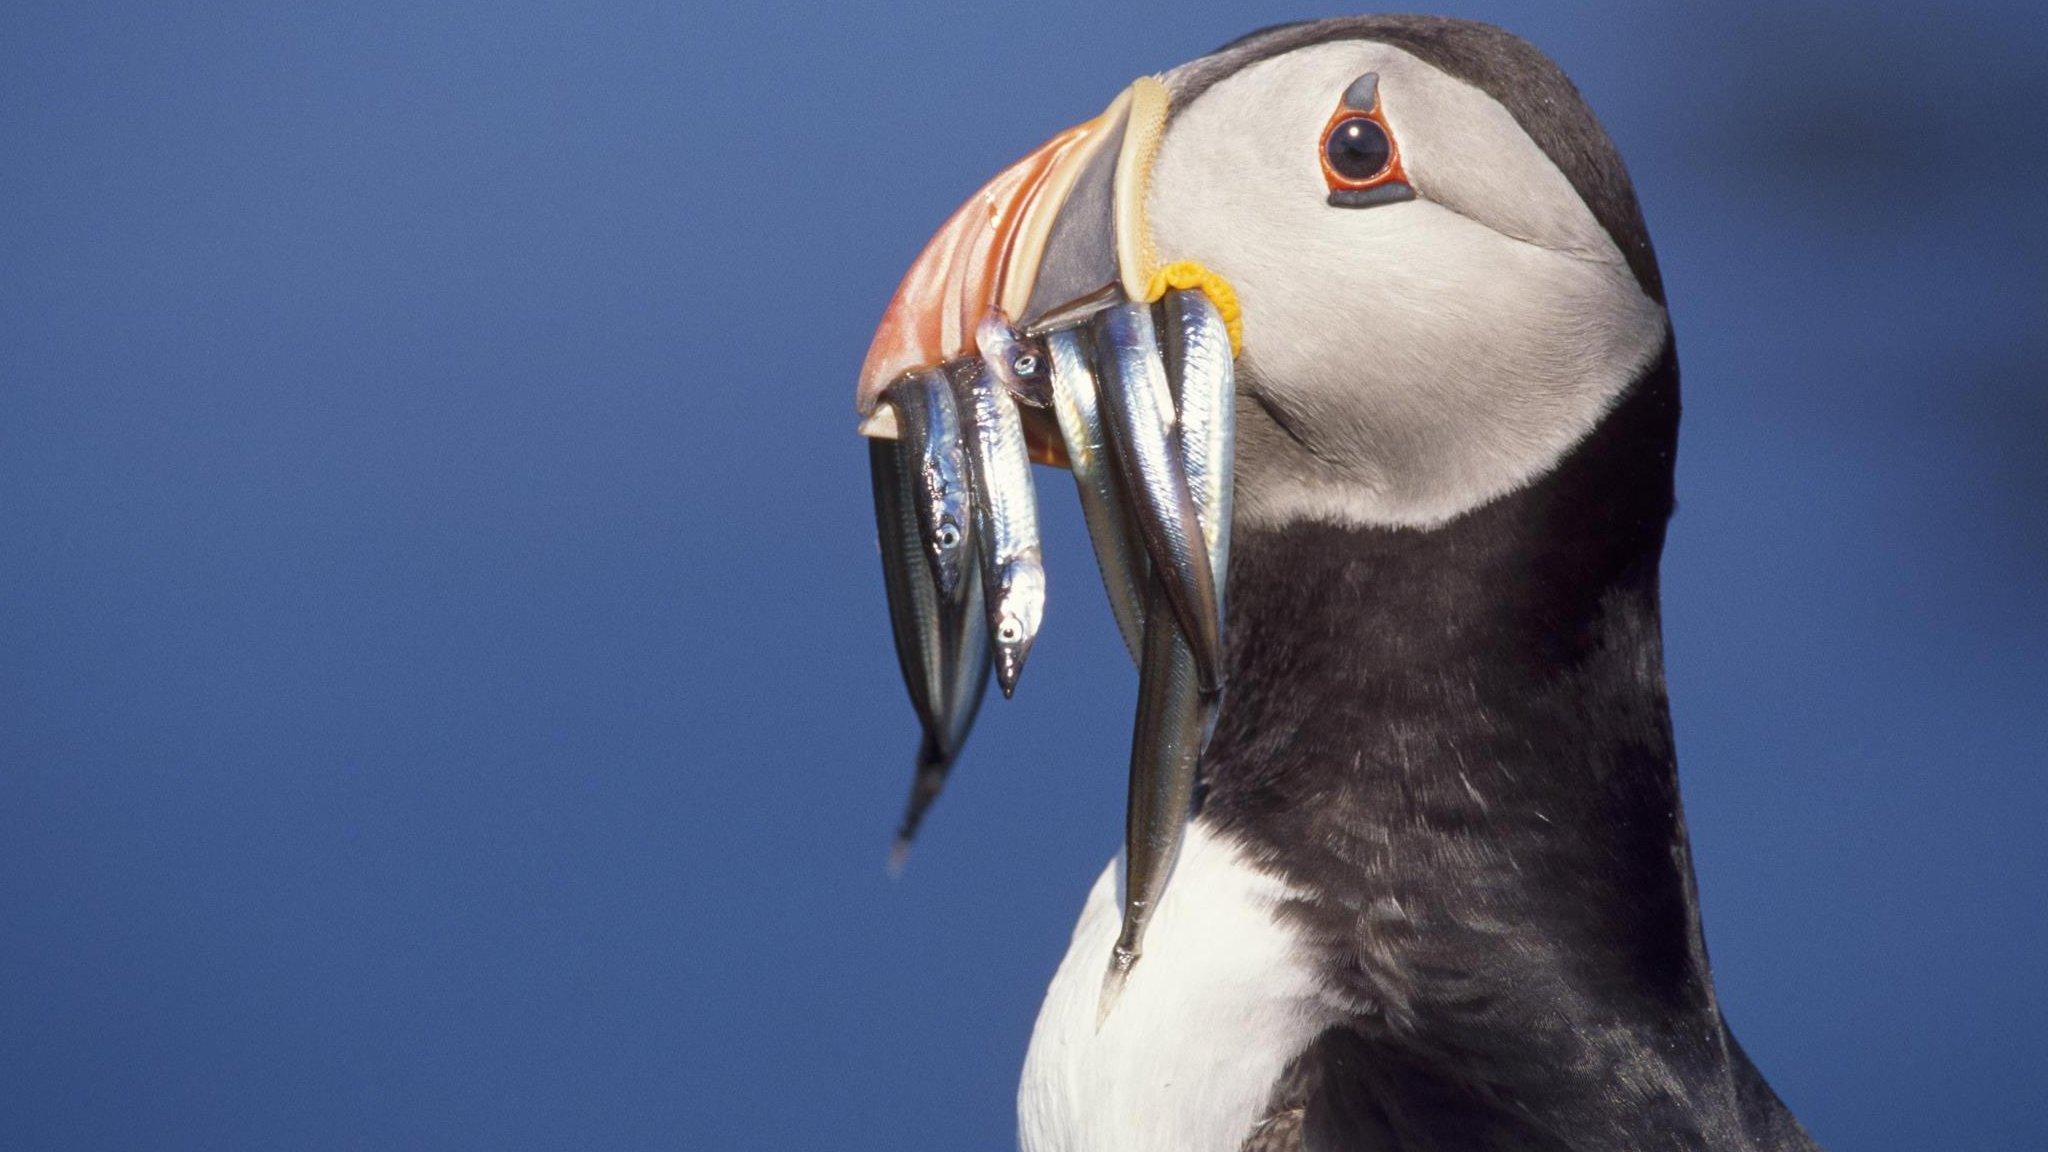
(1361, 159)
(1357, 149)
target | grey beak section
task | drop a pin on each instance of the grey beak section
(1137, 410)
(1080, 253)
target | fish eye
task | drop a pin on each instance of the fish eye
(1025, 365)
(948, 535)
(1008, 632)
(1357, 150)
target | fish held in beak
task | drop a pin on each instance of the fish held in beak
(1006, 519)
(928, 422)
(915, 607)
(1144, 431)
(1019, 361)
(1166, 749)
(1033, 312)
(967, 658)
(1175, 713)
(1118, 552)
(1200, 359)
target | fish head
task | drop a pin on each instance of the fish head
(948, 545)
(1018, 610)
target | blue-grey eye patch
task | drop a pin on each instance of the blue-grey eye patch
(1364, 93)
(1394, 193)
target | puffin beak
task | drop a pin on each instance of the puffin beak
(1052, 238)
(1034, 304)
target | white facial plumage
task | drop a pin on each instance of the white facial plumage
(1407, 362)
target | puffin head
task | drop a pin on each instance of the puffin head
(1443, 275)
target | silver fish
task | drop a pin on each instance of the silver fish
(1175, 715)
(1019, 361)
(928, 421)
(1198, 349)
(915, 617)
(1147, 443)
(1166, 748)
(1118, 551)
(1006, 518)
(966, 656)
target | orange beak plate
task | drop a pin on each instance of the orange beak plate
(1014, 247)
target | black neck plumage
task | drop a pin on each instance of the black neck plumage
(1457, 747)
(1457, 741)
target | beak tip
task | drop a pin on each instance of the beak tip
(985, 261)
(880, 424)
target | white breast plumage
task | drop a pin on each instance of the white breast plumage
(1223, 1000)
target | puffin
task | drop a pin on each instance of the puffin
(1435, 892)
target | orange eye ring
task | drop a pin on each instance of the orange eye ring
(1388, 183)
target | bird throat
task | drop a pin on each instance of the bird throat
(1467, 725)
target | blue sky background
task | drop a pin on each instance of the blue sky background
(445, 698)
